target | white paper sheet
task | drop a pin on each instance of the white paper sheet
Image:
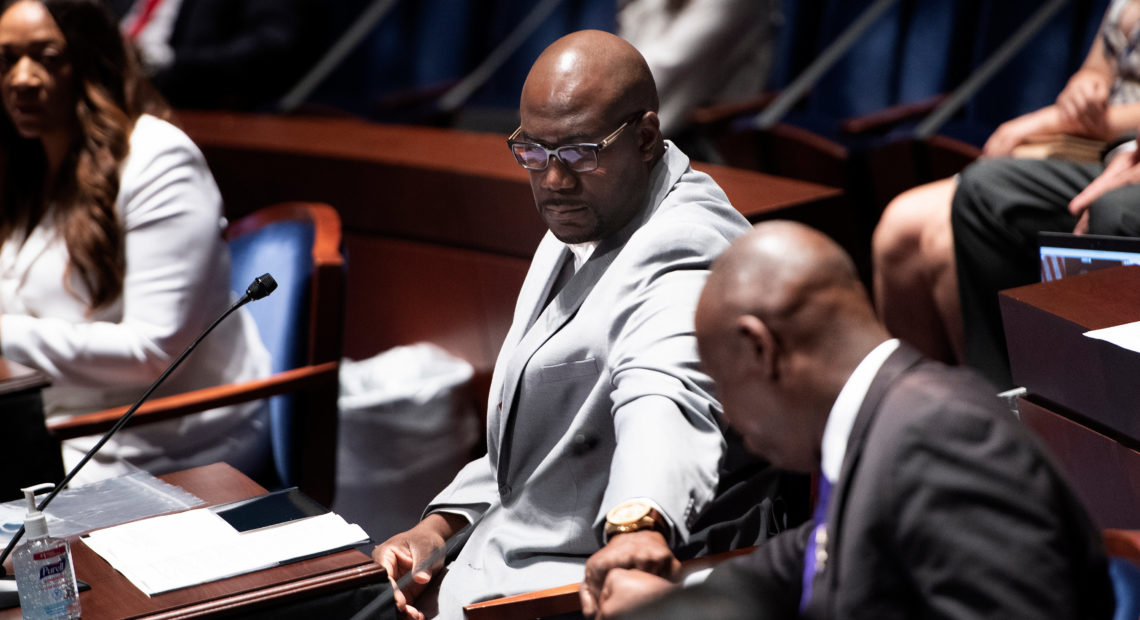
(197, 546)
(1126, 335)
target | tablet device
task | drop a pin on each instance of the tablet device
(269, 509)
(1065, 254)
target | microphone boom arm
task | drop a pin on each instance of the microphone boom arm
(261, 286)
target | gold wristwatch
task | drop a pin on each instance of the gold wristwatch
(631, 516)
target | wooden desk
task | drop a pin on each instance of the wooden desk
(1083, 397)
(112, 596)
(1050, 356)
(35, 457)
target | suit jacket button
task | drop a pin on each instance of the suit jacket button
(505, 490)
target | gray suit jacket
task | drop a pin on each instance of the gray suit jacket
(596, 397)
(945, 508)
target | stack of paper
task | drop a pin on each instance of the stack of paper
(1126, 336)
(188, 548)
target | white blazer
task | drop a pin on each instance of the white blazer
(177, 281)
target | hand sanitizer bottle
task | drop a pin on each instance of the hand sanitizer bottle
(45, 577)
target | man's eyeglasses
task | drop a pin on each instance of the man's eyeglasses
(576, 157)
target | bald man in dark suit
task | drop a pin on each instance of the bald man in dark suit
(934, 501)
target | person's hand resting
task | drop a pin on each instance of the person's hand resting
(1124, 169)
(625, 589)
(644, 550)
(1081, 110)
(1084, 102)
(409, 551)
(1015, 132)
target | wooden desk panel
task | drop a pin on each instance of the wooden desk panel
(1105, 472)
(112, 596)
(451, 290)
(1050, 356)
(1083, 394)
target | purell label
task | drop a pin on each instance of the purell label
(48, 554)
(55, 568)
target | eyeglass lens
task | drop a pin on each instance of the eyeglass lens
(574, 157)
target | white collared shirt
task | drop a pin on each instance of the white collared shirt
(581, 252)
(846, 407)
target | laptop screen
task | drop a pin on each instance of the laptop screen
(1066, 254)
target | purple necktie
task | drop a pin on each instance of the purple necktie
(816, 554)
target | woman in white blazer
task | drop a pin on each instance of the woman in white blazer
(111, 254)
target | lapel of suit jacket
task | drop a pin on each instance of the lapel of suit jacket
(546, 322)
(548, 257)
(901, 360)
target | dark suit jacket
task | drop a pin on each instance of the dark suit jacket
(945, 508)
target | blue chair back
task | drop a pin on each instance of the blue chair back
(283, 249)
(1126, 588)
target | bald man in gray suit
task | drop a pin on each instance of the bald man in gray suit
(601, 429)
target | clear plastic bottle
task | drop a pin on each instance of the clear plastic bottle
(45, 576)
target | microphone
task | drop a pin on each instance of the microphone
(261, 286)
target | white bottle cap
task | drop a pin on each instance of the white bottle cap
(35, 523)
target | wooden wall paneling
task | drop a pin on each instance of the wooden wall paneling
(462, 300)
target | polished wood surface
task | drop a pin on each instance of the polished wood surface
(1049, 354)
(112, 596)
(199, 400)
(537, 604)
(1093, 300)
(409, 292)
(1104, 472)
(1083, 397)
(564, 599)
(1123, 544)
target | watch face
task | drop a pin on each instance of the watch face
(628, 513)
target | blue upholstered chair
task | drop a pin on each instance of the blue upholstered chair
(1123, 548)
(300, 324)
(1126, 588)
